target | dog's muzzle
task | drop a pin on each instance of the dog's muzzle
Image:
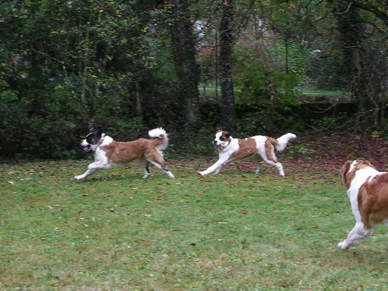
(86, 148)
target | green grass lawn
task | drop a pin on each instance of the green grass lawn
(233, 231)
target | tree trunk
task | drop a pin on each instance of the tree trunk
(183, 48)
(138, 105)
(351, 35)
(226, 101)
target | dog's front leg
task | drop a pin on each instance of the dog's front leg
(91, 169)
(216, 168)
(220, 167)
(84, 175)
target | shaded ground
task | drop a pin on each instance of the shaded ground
(328, 153)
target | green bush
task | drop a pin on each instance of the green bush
(258, 85)
(266, 98)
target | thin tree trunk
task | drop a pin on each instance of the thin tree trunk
(183, 47)
(351, 34)
(226, 100)
(138, 106)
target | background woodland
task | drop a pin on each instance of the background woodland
(250, 66)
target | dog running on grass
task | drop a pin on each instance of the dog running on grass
(367, 189)
(231, 149)
(108, 152)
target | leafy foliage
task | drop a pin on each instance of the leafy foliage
(66, 66)
(270, 94)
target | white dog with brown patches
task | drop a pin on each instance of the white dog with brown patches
(367, 190)
(108, 153)
(231, 149)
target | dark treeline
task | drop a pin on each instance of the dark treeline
(189, 66)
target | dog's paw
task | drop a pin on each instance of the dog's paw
(343, 245)
(77, 178)
(200, 173)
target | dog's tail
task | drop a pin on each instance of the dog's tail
(160, 134)
(283, 141)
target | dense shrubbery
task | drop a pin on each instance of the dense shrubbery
(55, 131)
(267, 98)
(44, 117)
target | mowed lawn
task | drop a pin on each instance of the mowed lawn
(232, 231)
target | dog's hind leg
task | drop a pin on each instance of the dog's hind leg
(357, 234)
(163, 167)
(158, 161)
(278, 165)
(147, 172)
(267, 152)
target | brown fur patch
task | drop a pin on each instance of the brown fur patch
(247, 147)
(348, 175)
(373, 194)
(120, 152)
(270, 143)
(226, 135)
(373, 200)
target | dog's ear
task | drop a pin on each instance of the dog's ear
(95, 135)
(98, 130)
(344, 171)
(226, 134)
(369, 164)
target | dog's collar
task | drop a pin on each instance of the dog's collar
(224, 147)
(101, 140)
(230, 140)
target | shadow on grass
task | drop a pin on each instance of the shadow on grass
(113, 178)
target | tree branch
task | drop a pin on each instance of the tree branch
(373, 9)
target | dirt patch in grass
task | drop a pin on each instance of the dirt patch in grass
(329, 152)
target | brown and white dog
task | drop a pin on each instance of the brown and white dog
(367, 190)
(230, 149)
(108, 153)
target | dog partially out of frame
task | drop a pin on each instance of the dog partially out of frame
(367, 189)
(108, 152)
(231, 149)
